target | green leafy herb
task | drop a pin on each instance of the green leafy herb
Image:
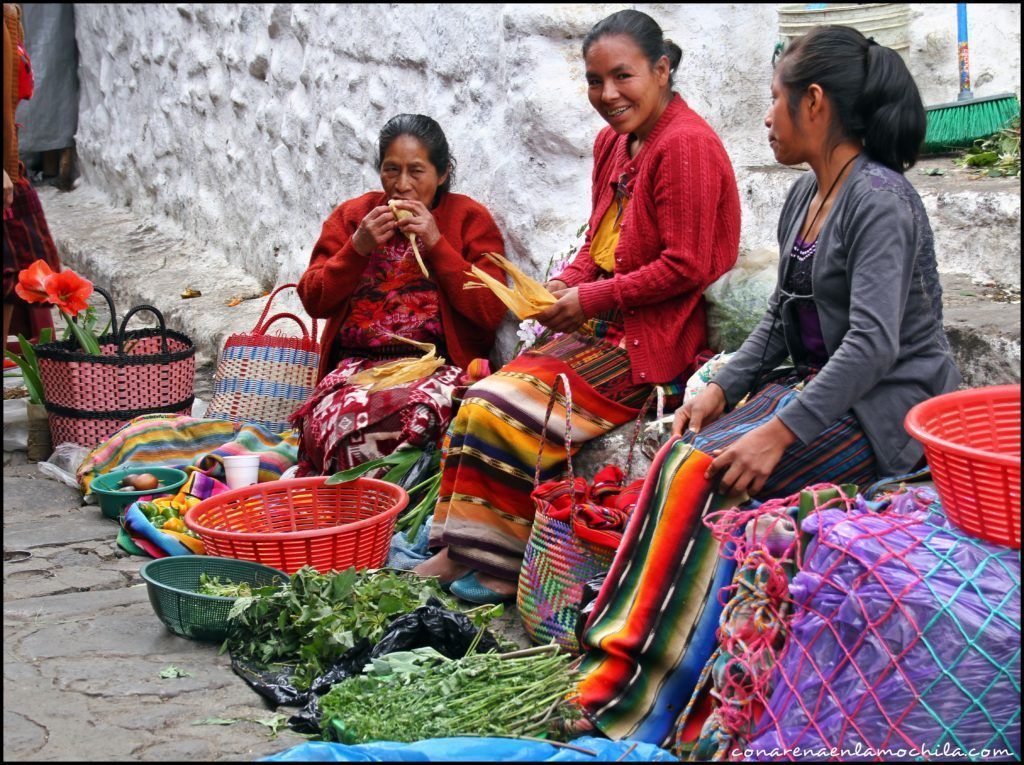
(211, 585)
(173, 671)
(312, 620)
(995, 156)
(414, 695)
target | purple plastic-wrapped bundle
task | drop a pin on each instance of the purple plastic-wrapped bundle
(905, 642)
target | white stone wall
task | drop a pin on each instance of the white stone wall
(246, 124)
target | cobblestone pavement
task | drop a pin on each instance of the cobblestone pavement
(83, 650)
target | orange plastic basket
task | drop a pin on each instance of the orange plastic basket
(972, 442)
(289, 524)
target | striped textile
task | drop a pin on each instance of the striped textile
(840, 454)
(484, 512)
(653, 624)
(159, 440)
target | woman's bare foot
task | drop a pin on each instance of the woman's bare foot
(444, 568)
(493, 583)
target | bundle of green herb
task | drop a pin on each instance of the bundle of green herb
(315, 618)
(212, 585)
(414, 695)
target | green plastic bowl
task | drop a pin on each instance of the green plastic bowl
(172, 584)
(114, 502)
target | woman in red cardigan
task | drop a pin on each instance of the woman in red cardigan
(364, 278)
(664, 225)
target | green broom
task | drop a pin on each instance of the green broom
(959, 124)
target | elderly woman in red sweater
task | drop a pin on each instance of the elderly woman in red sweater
(664, 225)
(366, 280)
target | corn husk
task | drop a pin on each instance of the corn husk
(526, 298)
(401, 214)
(401, 370)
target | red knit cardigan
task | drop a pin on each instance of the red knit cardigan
(679, 233)
(470, 317)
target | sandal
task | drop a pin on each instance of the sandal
(469, 588)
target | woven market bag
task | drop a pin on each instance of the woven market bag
(562, 555)
(261, 379)
(143, 371)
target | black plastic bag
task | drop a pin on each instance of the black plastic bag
(587, 600)
(275, 682)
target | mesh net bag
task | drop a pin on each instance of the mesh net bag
(904, 642)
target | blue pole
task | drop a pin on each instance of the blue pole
(963, 57)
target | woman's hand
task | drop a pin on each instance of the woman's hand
(556, 285)
(374, 230)
(567, 314)
(422, 222)
(746, 466)
(703, 409)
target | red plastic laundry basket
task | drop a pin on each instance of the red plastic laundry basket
(972, 442)
(302, 521)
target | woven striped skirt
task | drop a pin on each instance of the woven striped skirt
(484, 512)
(840, 454)
(653, 624)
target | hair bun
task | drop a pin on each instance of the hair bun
(674, 53)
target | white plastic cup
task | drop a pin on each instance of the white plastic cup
(241, 470)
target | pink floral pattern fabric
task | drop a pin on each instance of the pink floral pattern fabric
(392, 295)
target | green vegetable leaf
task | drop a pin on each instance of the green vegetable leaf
(343, 583)
(173, 671)
(218, 721)
(389, 604)
(239, 606)
(275, 723)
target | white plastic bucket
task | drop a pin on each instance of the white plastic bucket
(887, 23)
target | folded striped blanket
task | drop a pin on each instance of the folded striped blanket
(160, 440)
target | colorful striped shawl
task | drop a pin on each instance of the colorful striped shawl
(654, 621)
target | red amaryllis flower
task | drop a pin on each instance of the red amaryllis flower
(30, 286)
(68, 291)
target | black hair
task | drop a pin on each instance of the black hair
(872, 92)
(429, 133)
(643, 31)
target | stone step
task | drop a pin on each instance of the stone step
(975, 219)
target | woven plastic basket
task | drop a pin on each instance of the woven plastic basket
(971, 440)
(144, 371)
(172, 584)
(302, 521)
(262, 379)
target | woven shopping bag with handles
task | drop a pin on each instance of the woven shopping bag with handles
(143, 371)
(261, 379)
(575, 534)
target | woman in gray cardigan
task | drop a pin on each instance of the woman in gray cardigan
(858, 306)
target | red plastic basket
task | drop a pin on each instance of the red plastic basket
(302, 521)
(972, 442)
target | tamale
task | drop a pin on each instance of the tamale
(400, 214)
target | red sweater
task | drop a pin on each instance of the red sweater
(679, 233)
(470, 317)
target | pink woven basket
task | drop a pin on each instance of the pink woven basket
(144, 371)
